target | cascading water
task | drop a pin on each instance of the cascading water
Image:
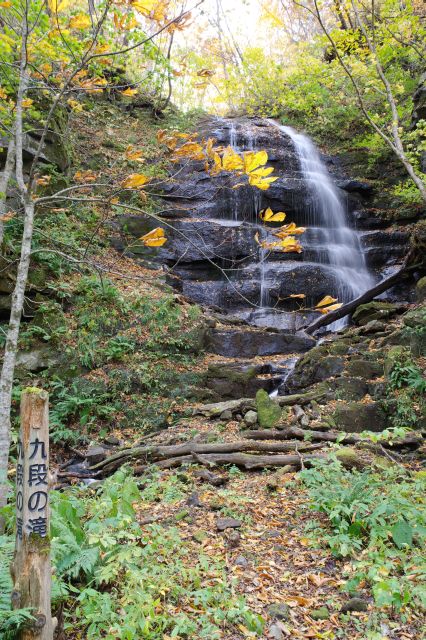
(339, 245)
(246, 207)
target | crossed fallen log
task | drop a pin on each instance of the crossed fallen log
(268, 448)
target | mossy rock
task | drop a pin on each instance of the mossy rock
(362, 368)
(315, 366)
(421, 289)
(349, 458)
(395, 355)
(355, 417)
(268, 412)
(375, 310)
(415, 330)
(348, 388)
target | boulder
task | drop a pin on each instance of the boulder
(236, 379)
(415, 323)
(95, 454)
(421, 289)
(366, 369)
(350, 458)
(237, 343)
(355, 417)
(376, 310)
(315, 366)
(268, 412)
(227, 523)
(250, 418)
(37, 359)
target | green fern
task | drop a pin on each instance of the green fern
(10, 621)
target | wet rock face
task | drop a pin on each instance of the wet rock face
(213, 228)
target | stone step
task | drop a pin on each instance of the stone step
(281, 278)
(248, 343)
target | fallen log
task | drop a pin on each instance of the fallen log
(243, 404)
(412, 439)
(156, 454)
(248, 462)
(369, 295)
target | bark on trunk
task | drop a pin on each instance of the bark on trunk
(160, 453)
(4, 183)
(9, 359)
(369, 295)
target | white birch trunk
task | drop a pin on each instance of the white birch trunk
(9, 359)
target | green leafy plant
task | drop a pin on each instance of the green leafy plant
(378, 521)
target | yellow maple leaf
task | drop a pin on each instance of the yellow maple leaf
(232, 161)
(151, 9)
(332, 307)
(3, 94)
(134, 154)
(129, 92)
(254, 159)
(261, 183)
(75, 106)
(267, 215)
(289, 229)
(325, 301)
(27, 102)
(190, 150)
(290, 245)
(154, 238)
(5, 5)
(205, 73)
(85, 176)
(80, 21)
(135, 180)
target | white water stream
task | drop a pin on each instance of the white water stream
(341, 248)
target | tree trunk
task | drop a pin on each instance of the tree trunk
(9, 358)
(369, 295)
(4, 183)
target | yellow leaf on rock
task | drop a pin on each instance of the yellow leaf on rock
(154, 238)
(191, 150)
(290, 229)
(267, 215)
(135, 180)
(325, 301)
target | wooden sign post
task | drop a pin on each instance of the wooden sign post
(31, 569)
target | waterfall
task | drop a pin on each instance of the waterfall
(246, 205)
(341, 246)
